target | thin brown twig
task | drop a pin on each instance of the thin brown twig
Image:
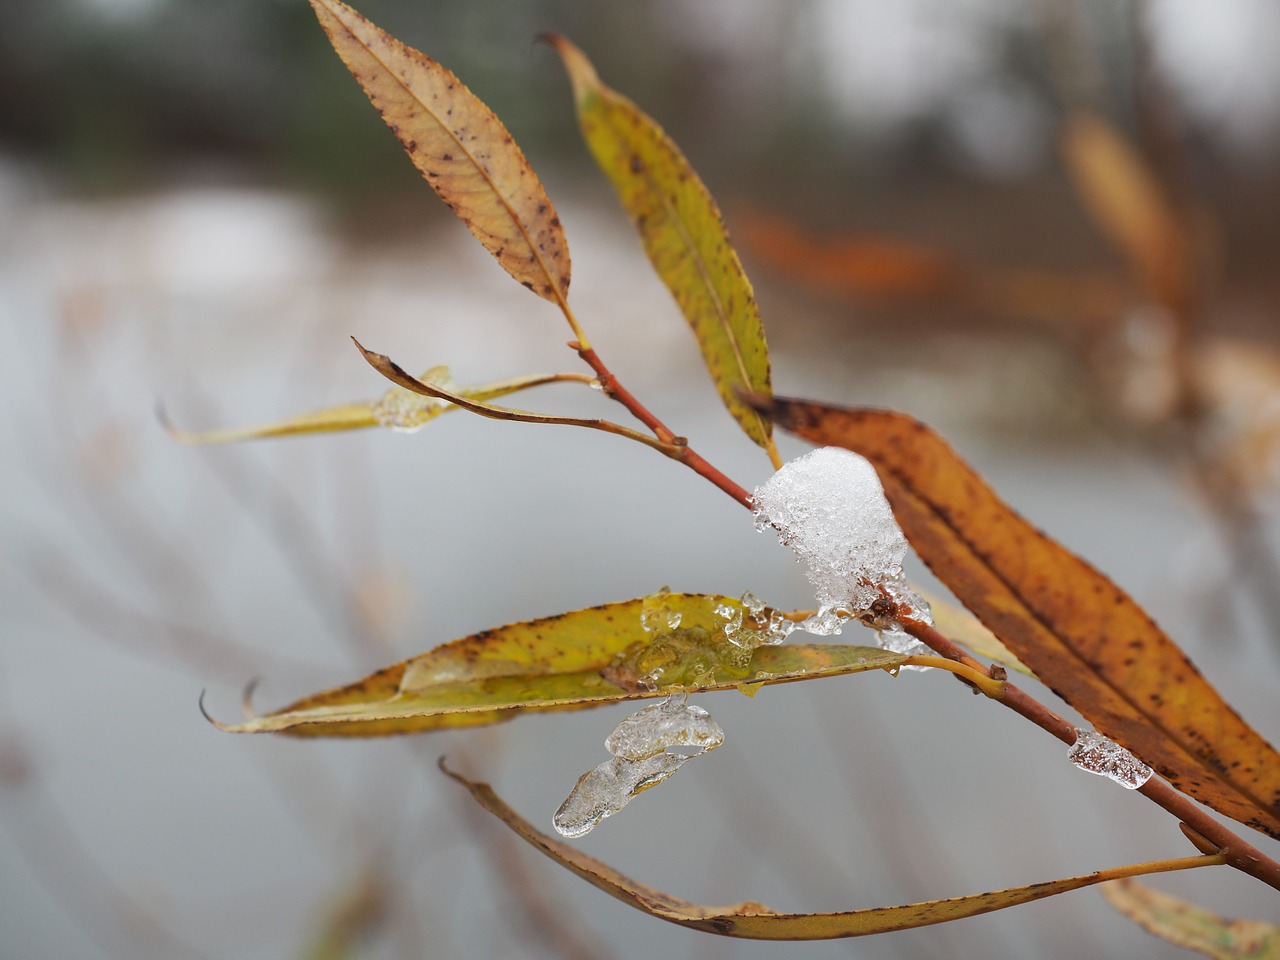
(1239, 853)
(680, 449)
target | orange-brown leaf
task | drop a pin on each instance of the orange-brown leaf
(754, 921)
(1076, 630)
(460, 146)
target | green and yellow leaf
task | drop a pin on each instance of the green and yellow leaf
(1075, 629)
(754, 921)
(586, 658)
(460, 146)
(1187, 925)
(683, 234)
(398, 409)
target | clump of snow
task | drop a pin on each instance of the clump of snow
(1094, 753)
(644, 748)
(829, 508)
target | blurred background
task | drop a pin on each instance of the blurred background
(1048, 228)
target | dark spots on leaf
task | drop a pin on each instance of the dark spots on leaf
(547, 289)
(526, 283)
(555, 221)
(446, 157)
(542, 208)
(637, 165)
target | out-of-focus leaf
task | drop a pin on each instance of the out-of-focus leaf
(585, 658)
(958, 624)
(754, 921)
(357, 913)
(852, 266)
(860, 267)
(1187, 925)
(398, 408)
(462, 149)
(1127, 201)
(1237, 385)
(1080, 633)
(683, 234)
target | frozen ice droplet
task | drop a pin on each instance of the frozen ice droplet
(608, 788)
(1094, 753)
(669, 723)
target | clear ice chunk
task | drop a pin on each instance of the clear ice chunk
(662, 726)
(608, 788)
(1094, 753)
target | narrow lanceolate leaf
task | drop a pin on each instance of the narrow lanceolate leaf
(462, 149)
(1195, 928)
(398, 409)
(1077, 631)
(585, 658)
(1125, 198)
(754, 921)
(683, 234)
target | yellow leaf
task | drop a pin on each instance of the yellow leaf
(1193, 927)
(754, 921)
(398, 408)
(964, 628)
(1077, 631)
(1123, 195)
(585, 658)
(462, 149)
(683, 234)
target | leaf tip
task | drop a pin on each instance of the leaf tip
(225, 727)
(582, 74)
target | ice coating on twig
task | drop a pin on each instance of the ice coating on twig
(608, 788)
(673, 722)
(642, 746)
(1094, 753)
(829, 508)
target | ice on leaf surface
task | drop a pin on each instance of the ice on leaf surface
(669, 723)
(689, 640)
(829, 508)
(608, 788)
(1094, 753)
(408, 412)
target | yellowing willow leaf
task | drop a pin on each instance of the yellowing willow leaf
(398, 409)
(683, 234)
(754, 921)
(1123, 195)
(462, 149)
(585, 658)
(1077, 631)
(1193, 927)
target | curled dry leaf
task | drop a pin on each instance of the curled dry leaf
(754, 921)
(683, 234)
(460, 146)
(1075, 629)
(576, 660)
(398, 409)
(1187, 925)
